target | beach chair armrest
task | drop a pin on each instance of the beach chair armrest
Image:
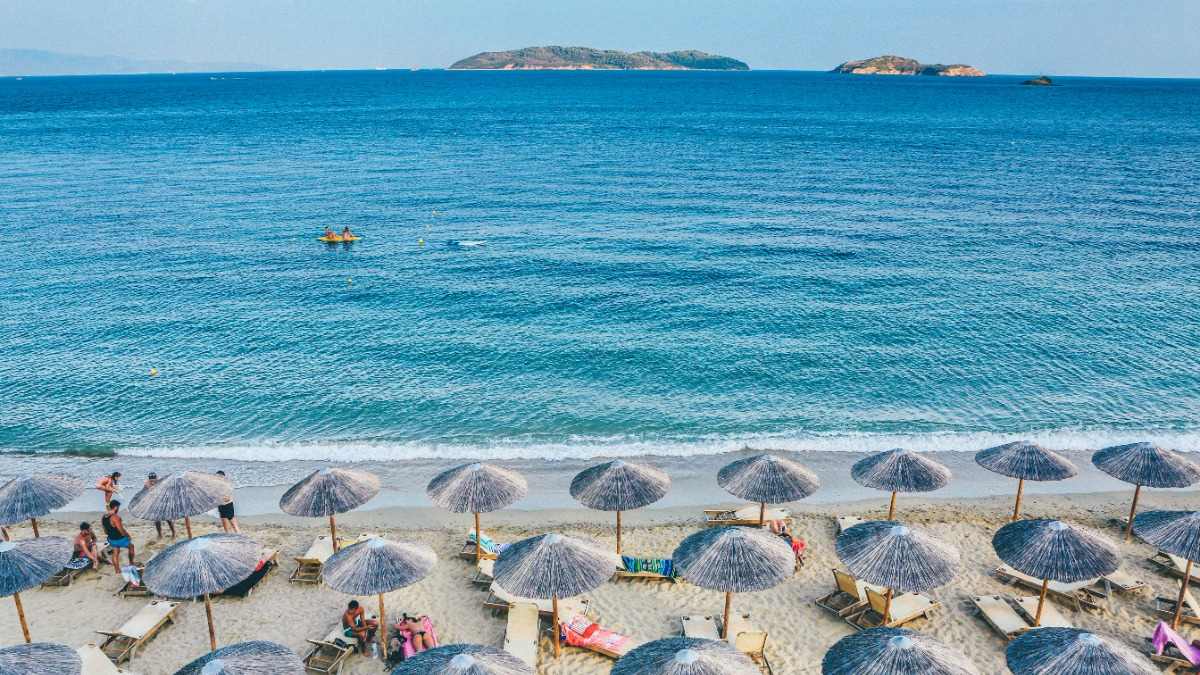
(115, 633)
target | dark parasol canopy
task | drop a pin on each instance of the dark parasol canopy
(463, 660)
(328, 492)
(900, 470)
(685, 656)
(40, 658)
(1177, 533)
(30, 496)
(1052, 550)
(620, 486)
(734, 560)
(1146, 464)
(554, 566)
(476, 488)
(246, 658)
(768, 479)
(1074, 651)
(28, 562)
(181, 495)
(1025, 460)
(894, 651)
(897, 556)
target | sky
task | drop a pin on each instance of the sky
(1131, 38)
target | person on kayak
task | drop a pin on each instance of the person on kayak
(346, 236)
(329, 233)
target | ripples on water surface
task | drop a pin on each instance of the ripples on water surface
(675, 262)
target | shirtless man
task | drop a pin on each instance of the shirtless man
(108, 485)
(86, 545)
(118, 537)
(151, 480)
(360, 627)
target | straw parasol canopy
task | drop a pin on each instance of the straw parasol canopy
(257, 657)
(181, 494)
(894, 651)
(1074, 651)
(476, 488)
(25, 563)
(900, 557)
(1052, 550)
(685, 656)
(1146, 464)
(42, 658)
(202, 566)
(900, 470)
(377, 566)
(734, 560)
(620, 486)
(328, 492)
(1025, 460)
(768, 479)
(1177, 533)
(32, 495)
(554, 566)
(463, 660)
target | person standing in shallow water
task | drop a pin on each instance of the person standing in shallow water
(228, 519)
(151, 480)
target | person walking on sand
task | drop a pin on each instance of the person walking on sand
(118, 537)
(151, 480)
(108, 485)
(228, 519)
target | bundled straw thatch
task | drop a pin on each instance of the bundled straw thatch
(25, 563)
(554, 566)
(1054, 550)
(378, 565)
(900, 470)
(768, 479)
(894, 651)
(34, 495)
(476, 488)
(1074, 651)
(620, 485)
(203, 565)
(1176, 532)
(330, 491)
(685, 656)
(897, 556)
(40, 658)
(463, 660)
(734, 559)
(1027, 461)
(246, 658)
(1147, 464)
(181, 495)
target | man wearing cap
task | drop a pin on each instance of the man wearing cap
(151, 480)
(118, 537)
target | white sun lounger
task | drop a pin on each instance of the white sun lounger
(498, 598)
(521, 632)
(1000, 615)
(904, 608)
(846, 522)
(96, 663)
(120, 645)
(744, 515)
(1051, 617)
(700, 626)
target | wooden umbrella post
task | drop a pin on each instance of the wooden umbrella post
(618, 532)
(1017, 510)
(333, 533)
(35, 528)
(187, 522)
(725, 625)
(383, 630)
(212, 632)
(478, 536)
(1183, 587)
(557, 628)
(892, 510)
(1037, 619)
(1132, 512)
(887, 607)
(21, 615)
(762, 513)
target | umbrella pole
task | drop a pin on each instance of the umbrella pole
(618, 532)
(1037, 619)
(333, 533)
(762, 513)
(887, 607)
(1017, 511)
(383, 632)
(556, 626)
(478, 536)
(725, 625)
(892, 510)
(1133, 512)
(1183, 586)
(25, 626)
(187, 521)
(212, 632)
(35, 530)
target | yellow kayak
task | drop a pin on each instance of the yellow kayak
(336, 239)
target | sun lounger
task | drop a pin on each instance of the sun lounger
(129, 589)
(700, 626)
(846, 522)
(1051, 617)
(329, 653)
(120, 645)
(1122, 581)
(1165, 608)
(1174, 566)
(601, 640)
(904, 608)
(521, 632)
(66, 576)
(499, 599)
(849, 594)
(1171, 658)
(308, 566)
(1000, 615)
(267, 561)
(488, 549)
(430, 634)
(1080, 594)
(483, 572)
(96, 663)
(654, 569)
(744, 515)
(753, 643)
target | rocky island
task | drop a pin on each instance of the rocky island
(1042, 81)
(898, 65)
(583, 58)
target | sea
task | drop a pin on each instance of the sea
(565, 265)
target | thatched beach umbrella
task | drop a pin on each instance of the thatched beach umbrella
(1074, 651)
(1146, 464)
(476, 488)
(553, 567)
(328, 492)
(768, 479)
(894, 651)
(734, 560)
(377, 566)
(257, 657)
(32, 495)
(620, 486)
(1177, 533)
(202, 566)
(1052, 550)
(463, 660)
(40, 658)
(685, 656)
(900, 557)
(1025, 460)
(28, 562)
(182, 494)
(900, 470)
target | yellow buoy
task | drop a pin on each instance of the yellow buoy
(349, 281)
(420, 242)
(427, 227)
(435, 213)
(153, 372)
(293, 239)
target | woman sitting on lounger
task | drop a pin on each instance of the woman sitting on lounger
(780, 529)
(415, 626)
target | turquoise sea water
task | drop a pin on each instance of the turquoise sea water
(675, 263)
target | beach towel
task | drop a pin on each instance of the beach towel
(408, 648)
(131, 575)
(662, 566)
(600, 637)
(79, 563)
(488, 545)
(1163, 635)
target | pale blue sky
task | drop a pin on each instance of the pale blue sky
(1058, 37)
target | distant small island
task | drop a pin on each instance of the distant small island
(584, 58)
(898, 65)
(1042, 81)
